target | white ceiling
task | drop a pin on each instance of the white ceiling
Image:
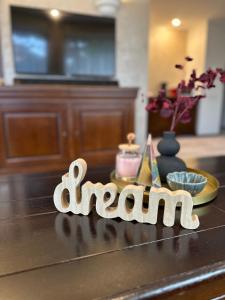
(189, 11)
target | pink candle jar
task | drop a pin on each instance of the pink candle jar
(128, 161)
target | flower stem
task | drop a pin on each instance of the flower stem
(173, 124)
(173, 120)
(183, 112)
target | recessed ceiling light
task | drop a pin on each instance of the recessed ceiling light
(176, 22)
(55, 13)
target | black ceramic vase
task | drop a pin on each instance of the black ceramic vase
(168, 147)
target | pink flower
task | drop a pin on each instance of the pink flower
(180, 108)
(208, 78)
(191, 84)
(203, 78)
(181, 86)
(166, 109)
(193, 75)
(188, 58)
(179, 67)
(222, 77)
(153, 106)
(222, 74)
(186, 118)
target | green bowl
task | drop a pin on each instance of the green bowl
(191, 182)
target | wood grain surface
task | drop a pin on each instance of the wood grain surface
(48, 255)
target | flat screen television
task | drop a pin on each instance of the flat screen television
(73, 46)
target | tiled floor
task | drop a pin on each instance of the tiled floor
(194, 147)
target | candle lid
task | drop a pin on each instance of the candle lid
(130, 147)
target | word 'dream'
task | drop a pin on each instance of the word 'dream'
(81, 200)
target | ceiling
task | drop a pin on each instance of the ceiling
(189, 11)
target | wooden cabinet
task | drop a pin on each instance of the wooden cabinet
(45, 127)
(98, 129)
(33, 133)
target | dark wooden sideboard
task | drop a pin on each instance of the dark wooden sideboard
(44, 127)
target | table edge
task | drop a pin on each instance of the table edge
(173, 283)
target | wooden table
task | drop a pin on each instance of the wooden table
(48, 255)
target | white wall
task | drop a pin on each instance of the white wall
(205, 42)
(168, 47)
(132, 44)
(132, 55)
(210, 109)
(223, 114)
(196, 48)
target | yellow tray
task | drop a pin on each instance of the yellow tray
(208, 194)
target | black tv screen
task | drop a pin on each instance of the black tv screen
(72, 45)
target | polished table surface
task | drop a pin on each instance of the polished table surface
(48, 255)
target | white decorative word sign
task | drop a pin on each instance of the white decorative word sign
(81, 200)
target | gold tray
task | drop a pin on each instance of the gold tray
(208, 194)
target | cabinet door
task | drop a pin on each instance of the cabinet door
(33, 134)
(98, 128)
